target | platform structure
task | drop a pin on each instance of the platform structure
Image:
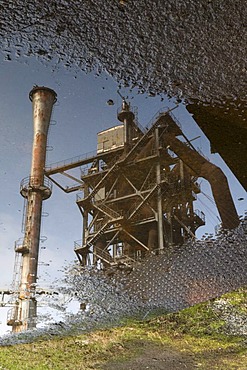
(136, 195)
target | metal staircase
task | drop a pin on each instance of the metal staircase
(108, 211)
(103, 255)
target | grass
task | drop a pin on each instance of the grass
(238, 300)
(196, 331)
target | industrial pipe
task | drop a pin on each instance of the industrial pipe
(213, 174)
(35, 190)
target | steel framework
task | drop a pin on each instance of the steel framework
(137, 198)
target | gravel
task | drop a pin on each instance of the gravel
(190, 48)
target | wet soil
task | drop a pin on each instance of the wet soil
(155, 357)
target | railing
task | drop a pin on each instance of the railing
(12, 319)
(19, 242)
(103, 254)
(69, 161)
(22, 246)
(32, 182)
(94, 236)
(108, 211)
(123, 258)
(200, 214)
(84, 170)
(135, 111)
(155, 117)
(78, 244)
(11, 314)
(99, 233)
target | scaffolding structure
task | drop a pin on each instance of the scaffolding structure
(137, 191)
(136, 195)
(138, 199)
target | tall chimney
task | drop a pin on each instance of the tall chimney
(35, 189)
(127, 117)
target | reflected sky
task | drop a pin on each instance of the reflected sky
(81, 112)
(186, 48)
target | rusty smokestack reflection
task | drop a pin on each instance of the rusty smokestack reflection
(35, 189)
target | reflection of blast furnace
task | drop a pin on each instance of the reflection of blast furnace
(34, 189)
(139, 189)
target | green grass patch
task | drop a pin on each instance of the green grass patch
(196, 331)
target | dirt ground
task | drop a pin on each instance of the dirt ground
(155, 358)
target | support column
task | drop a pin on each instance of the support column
(127, 117)
(35, 189)
(153, 238)
(159, 196)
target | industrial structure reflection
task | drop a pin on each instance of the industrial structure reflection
(35, 189)
(136, 196)
(138, 190)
